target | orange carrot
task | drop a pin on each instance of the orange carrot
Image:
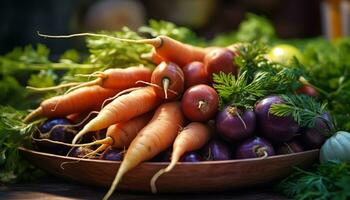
(121, 135)
(153, 57)
(166, 47)
(194, 136)
(116, 78)
(118, 135)
(154, 138)
(122, 109)
(82, 100)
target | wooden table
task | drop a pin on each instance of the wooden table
(57, 189)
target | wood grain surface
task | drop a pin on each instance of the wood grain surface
(209, 176)
(53, 188)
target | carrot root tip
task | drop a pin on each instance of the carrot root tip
(165, 83)
(154, 180)
(34, 114)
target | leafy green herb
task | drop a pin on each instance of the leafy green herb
(328, 65)
(304, 109)
(107, 52)
(183, 34)
(253, 28)
(325, 181)
(44, 78)
(13, 134)
(258, 78)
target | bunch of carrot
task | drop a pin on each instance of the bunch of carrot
(140, 108)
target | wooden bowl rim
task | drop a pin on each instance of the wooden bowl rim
(232, 161)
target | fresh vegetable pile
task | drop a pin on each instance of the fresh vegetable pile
(180, 94)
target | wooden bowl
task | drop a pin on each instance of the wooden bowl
(208, 176)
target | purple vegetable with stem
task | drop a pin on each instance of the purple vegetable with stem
(278, 129)
(234, 124)
(254, 148)
(216, 150)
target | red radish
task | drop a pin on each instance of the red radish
(219, 60)
(169, 80)
(194, 74)
(308, 90)
(200, 103)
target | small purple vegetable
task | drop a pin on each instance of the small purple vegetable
(163, 156)
(254, 148)
(192, 156)
(80, 152)
(216, 150)
(290, 147)
(113, 154)
(234, 125)
(277, 129)
(313, 138)
(50, 130)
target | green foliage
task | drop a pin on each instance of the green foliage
(253, 28)
(304, 109)
(328, 65)
(44, 78)
(13, 134)
(21, 59)
(107, 52)
(326, 181)
(257, 78)
(156, 28)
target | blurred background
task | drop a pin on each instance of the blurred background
(20, 20)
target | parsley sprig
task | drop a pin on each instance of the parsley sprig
(258, 78)
(305, 110)
(14, 133)
(325, 181)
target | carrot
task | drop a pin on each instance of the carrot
(154, 138)
(166, 77)
(194, 136)
(117, 136)
(166, 47)
(81, 100)
(122, 109)
(115, 78)
(153, 57)
(121, 135)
